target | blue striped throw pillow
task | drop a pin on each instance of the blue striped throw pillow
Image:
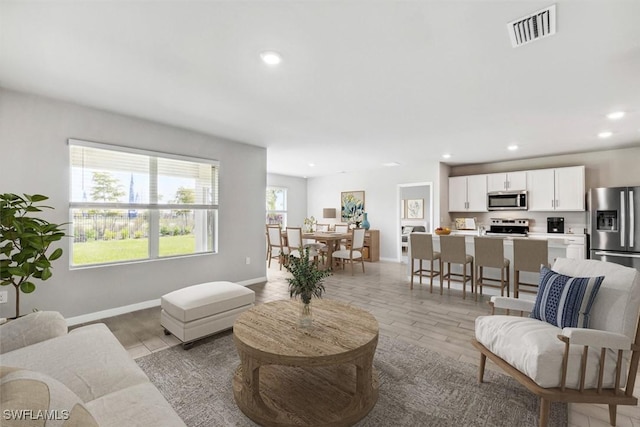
(565, 301)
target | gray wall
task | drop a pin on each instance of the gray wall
(33, 137)
(296, 197)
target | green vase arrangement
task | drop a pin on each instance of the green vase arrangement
(25, 242)
(306, 283)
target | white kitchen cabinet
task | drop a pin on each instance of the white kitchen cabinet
(560, 189)
(468, 193)
(570, 192)
(510, 181)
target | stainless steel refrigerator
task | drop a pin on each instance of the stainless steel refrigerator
(614, 225)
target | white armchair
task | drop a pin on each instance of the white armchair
(595, 365)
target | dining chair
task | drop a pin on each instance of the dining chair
(452, 251)
(341, 228)
(276, 248)
(295, 243)
(489, 252)
(528, 255)
(354, 253)
(422, 249)
(322, 227)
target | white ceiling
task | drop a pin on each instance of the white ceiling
(361, 83)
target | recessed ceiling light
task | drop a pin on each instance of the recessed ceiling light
(605, 134)
(270, 57)
(512, 147)
(391, 164)
(446, 156)
(312, 164)
(616, 115)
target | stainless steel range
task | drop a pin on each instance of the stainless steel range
(510, 227)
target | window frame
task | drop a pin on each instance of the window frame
(276, 211)
(153, 207)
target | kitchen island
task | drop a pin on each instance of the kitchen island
(560, 246)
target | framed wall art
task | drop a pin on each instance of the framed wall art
(415, 208)
(352, 205)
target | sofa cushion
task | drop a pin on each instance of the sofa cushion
(139, 405)
(565, 301)
(89, 360)
(31, 329)
(532, 347)
(40, 399)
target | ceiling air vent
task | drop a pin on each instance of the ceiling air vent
(533, 27)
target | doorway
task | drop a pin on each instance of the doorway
(415, 213)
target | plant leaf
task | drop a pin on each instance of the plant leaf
(27, 287)
(38, 198)
(55, 255)
(46, 273)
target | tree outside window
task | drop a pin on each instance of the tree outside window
(277, 206)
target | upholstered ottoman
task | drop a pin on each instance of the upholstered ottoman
(197, 311)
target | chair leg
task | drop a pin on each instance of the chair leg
(545, 405)
(473, 274)
(448, 275)
(431, 279)
(483, 362)
(478, 279)
(441, 276)
(420, 267)
(508, 281)
(612, 414)
(351, 262)
(412, 267)
(362, 262)
(502, 282)
(516, 279)
(464, 281)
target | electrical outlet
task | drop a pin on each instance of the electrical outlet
(247, 260)
(4, 297)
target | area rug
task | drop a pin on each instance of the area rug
(418, 387)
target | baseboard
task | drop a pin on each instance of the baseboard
(91, 317)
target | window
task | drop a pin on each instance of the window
(129, 204)
(277, 206)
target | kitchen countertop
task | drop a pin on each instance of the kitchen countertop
(530, 235)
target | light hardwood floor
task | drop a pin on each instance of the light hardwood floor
(439, 323)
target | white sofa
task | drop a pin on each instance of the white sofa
(91, 363)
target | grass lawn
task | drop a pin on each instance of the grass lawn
(101, 251)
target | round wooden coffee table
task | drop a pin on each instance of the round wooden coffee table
(318, 376)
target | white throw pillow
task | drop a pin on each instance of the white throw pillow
(33, 398)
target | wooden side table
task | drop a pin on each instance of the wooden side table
(318, 376)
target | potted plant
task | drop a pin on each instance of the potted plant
(306, 283)
(24, 243)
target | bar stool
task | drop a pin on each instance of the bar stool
(422, 249)
(489, 252)
(452, 250)
(528, 255)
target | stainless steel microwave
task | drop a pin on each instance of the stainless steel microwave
(507, 201)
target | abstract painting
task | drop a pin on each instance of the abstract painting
(352, 205)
